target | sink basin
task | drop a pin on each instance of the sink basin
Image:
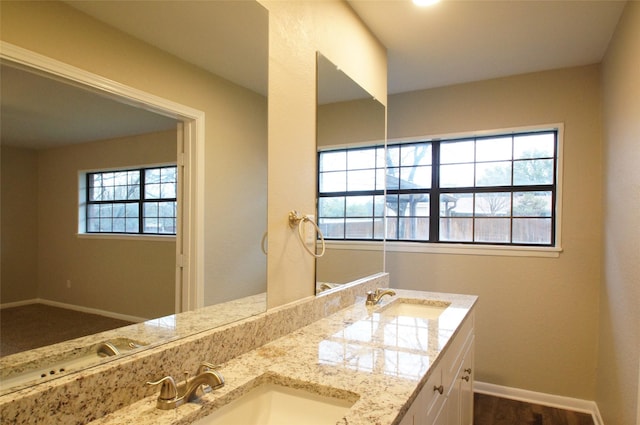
(273, 404)
(426, 310)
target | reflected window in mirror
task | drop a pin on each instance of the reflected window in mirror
(131, 201)
(351, 193)
(351, 134)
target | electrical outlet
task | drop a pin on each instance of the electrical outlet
(68, 284)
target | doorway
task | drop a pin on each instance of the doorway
(189, 286)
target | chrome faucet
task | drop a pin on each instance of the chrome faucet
(173, 395)
(373, 297)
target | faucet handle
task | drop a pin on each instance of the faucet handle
(168, 390)
(373, 297)
(206, 366)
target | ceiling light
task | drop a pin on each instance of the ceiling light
(423, 3)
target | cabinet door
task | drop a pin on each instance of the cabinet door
(442, 416)
(460, 396)
(408, 418)
(453, 400)
(466, 387)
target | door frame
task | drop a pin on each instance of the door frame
(189, 280)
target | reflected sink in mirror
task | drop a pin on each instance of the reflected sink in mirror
(430, 310)
(63, 363)
(274, 404)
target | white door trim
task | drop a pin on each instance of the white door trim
(192, 220)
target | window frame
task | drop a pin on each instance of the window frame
(86, 203)
(551, 249)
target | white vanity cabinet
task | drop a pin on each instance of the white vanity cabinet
(447, 397)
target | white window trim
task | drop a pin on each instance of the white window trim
(127, 236)
(441, 248)
(348, 245)
(464, 249)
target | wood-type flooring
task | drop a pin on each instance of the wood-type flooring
(490, 410)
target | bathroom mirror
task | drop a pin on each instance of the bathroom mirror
(219, 27)
(347, 117)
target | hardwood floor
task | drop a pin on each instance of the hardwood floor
(490, 410)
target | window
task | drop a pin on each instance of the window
(351, 193)
(138, 201)
(479, 190)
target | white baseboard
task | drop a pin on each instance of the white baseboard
(19, 303)
(74, 307)
(567, 403)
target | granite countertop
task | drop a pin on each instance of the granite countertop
(148, 334)
(378, 360)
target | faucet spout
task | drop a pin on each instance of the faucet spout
(107, 349)
(172, 395)
(374, 297)
(207, 381)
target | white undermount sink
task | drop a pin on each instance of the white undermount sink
(422, 310)
(272, 404)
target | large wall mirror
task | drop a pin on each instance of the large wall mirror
(349, 123)
(54, 131)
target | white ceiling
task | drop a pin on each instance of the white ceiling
(457, 41)
(452, 42)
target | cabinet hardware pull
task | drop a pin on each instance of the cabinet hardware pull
(468, 370)
(466, 378)
(439, 389)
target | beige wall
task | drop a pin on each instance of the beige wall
(619, 331)
(344, 266)
(235, 119)
(41, 249)
(131, 277)
(18, 229)
(537, 317)
(297, 30)
(351, 123)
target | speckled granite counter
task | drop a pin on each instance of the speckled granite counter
(148, 334)
(380, 360)
(83, 396)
